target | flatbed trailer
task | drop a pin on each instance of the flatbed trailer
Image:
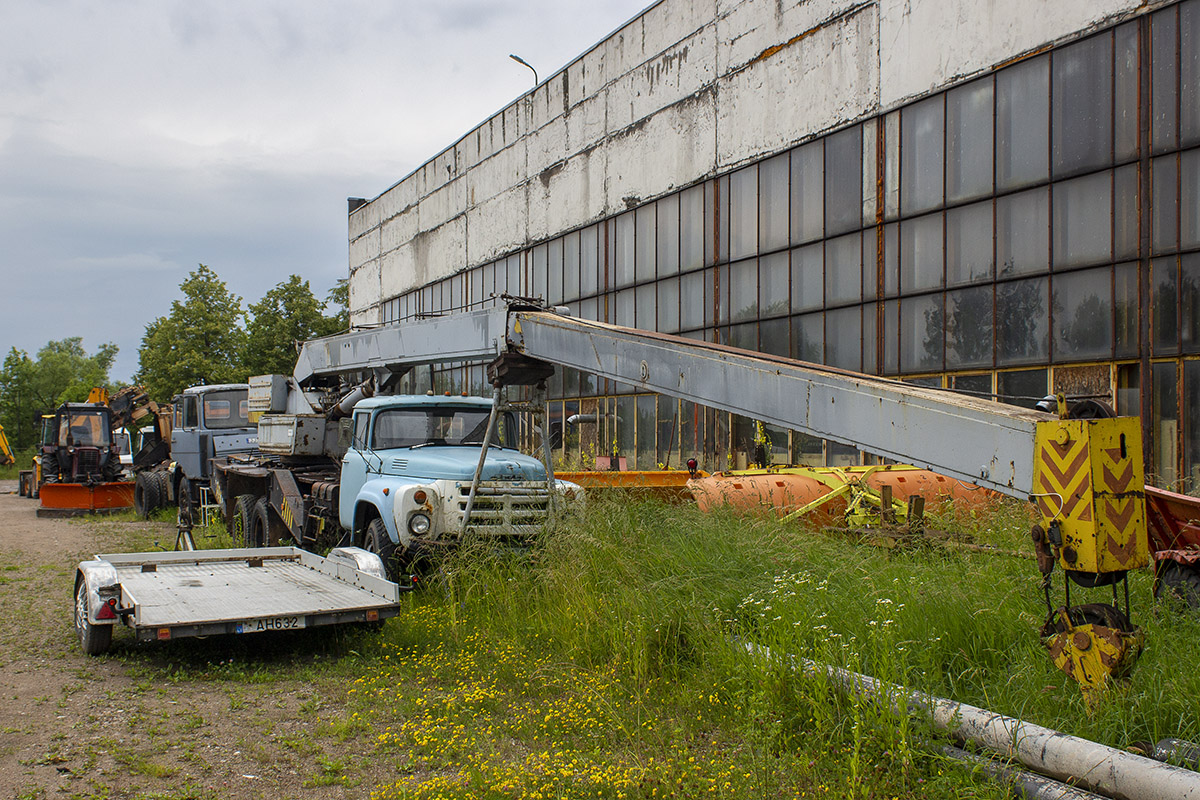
(172, 595)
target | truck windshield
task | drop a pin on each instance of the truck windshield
(229, 409)
(437, 425)
(84, 429)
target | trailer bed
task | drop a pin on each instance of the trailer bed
(200, 593)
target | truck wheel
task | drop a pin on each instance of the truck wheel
(22, 485)
(94, 639)
(50, 468)
(146, 497)
(187, 517)
(378, 542)
(260, 524)
(1182, 580)
(242, 524)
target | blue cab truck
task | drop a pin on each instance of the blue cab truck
(391, 474)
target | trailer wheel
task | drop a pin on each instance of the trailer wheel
(94, 639)
(378, 542)
(242, 524)
(1182, 580)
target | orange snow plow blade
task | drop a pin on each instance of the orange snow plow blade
(71, 499)
(786, 490)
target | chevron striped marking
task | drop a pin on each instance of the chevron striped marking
(1118, 482)
(1064, 472)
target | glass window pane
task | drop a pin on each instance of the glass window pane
(1191, 433)
(1189, 302)
(644, 299)
(774, 284)
(843, 181)
(516, 276)
(624, 254)
(1125, 279)
(1082, 123)
(1023, 388)
(843, 338)
(743, 290)
(1126, 189)
(891, 337)
(1165, 424)
(743, 212)
(744, 336)
(774, 336)
(668, 305)
(537, 271)
(647, 417)
(1022, 321)
(969, 244)
(891, 166)
(691, 300)
(1083, 221)
(969, 328)
(870, 176)
(1022, 123)
(1164, 107)
(1164, 173)
(870, 337)
(843, 270)
(720, 290)
(717, 232)
(922, 126)
(571, 266)
(1189, 74)
(972, 385)
(589, 264)
(645, 248)
(1022, 233)
(921, 333)
(969, 141)
(1127, 68)
(808, 279)
(1189, 200)
(1083, 318)
(773, 177)
(891, 259)
(808, 192)
(667, 238)
(870, 266)
(921, 253)
(691, 228)
(808, 337)
(624, 309)
(554, 273)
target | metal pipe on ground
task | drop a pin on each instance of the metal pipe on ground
(1025, 784)
(1094, 766)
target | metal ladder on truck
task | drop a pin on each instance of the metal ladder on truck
(1084, 473)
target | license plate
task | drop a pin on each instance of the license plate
(270, 624)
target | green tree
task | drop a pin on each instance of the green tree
(339, 301)
(200, 342)
(287, 314)
(62, 373)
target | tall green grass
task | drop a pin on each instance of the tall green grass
(609, 661)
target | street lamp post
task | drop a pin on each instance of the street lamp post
(520, 60)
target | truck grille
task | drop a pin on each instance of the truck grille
(517, 507)
(87, 461)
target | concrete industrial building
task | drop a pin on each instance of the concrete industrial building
(995, 197)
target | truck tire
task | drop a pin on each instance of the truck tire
(94, 639)
(1182, 580)
(187, 506)
(242, 524)
(50, 468)
(378, 542)
(260, 524)
(23, 485)
(146, 496)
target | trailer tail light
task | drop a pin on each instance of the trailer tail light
(106, 611)
(372, 615)
(164, 634)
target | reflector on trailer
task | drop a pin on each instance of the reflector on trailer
(106, 610)
(164, 634)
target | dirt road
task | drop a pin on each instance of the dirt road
(189, 720)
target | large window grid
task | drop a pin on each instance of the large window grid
(1003, 235)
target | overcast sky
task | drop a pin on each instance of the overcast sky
(139, 138)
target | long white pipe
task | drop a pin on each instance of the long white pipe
(1028, 784)
(1095, 766)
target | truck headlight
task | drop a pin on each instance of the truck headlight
(419, 524)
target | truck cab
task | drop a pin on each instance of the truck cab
(409, 468)
(210, 422)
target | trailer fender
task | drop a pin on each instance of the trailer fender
(361, 560)
(102, 583)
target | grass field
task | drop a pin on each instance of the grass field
(607, 662)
